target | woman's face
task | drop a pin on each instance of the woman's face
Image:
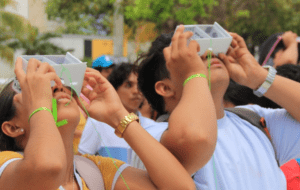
(64, 111)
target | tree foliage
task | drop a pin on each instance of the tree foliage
(37, 44)
(81, 16)
(166, 14)
(255, 20)
(11, 26)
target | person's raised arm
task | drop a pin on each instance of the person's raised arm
(44, 162)
(163, 169)
(192, 131)
(290, 53)
(245, 70)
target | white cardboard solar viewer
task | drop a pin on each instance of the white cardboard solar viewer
(70, 69)
(210, 36)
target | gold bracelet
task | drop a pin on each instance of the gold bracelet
(124, 123)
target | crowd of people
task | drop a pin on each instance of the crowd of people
(158, 123)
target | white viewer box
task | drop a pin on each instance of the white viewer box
(210, 36)
(70, 69)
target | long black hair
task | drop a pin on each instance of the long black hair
(7, 112)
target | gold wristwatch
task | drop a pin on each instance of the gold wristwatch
(124, 123)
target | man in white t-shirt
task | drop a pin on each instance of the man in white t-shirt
(100, 138)
(244, 158)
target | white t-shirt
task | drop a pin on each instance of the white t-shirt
(244, 158)
(98, 137)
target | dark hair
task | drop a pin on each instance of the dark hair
(152, 69)
(238, 94)
(104, 68)
(266, 46)
(121, 73)
(242, 95)
(7, 112)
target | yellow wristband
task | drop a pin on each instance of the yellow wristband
(37, 110)
(194, 76)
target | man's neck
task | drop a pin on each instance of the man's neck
(219, 105)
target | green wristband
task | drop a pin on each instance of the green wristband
(194, 76)
(37, 110)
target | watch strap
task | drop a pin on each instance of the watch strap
(267, 83)
(124, 123)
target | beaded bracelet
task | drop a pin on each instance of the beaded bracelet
(194, 76)
(37, 110)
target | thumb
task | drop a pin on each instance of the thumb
(82, 103)
(225, 59)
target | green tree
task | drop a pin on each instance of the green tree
(37, 44)
(92, 15)
(81, 16)
(255, 20)
(11, 26)
(167, 14)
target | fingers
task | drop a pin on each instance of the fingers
(53, 76)
(204, 56)
(239, 40)
(81, 103)
(174, 45)
(20, 74)
(45, 68)
(95, 80)
(225, 59)
(234, 43)
(194, 46)
(32, 66)
(91, 95)
(167, 53)
(182, 40)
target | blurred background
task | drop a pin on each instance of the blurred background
(125, 28)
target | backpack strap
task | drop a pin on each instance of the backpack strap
(256, 120)
(89, 171)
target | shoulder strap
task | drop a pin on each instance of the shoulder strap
(255, 119)
(89, 171)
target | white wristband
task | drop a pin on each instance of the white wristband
(268, 82)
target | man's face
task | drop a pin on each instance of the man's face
(129, 94)
(219, 73)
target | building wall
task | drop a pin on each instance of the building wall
(37, 15)
(21, 7)
(76, 42)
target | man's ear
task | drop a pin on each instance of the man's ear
(10, 129)
(164, 88)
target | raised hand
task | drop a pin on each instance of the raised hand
(105, 104)
(35, 84)
(241, 65)
(289, 38)
(181, 60)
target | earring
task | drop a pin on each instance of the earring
(22, 130)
